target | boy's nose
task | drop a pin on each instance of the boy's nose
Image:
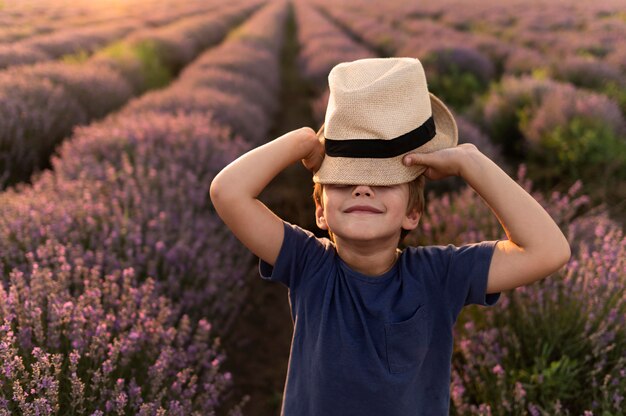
(362, 190)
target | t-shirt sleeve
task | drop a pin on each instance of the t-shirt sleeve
(465, 280)
(300, 251)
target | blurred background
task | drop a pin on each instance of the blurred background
(123, 292)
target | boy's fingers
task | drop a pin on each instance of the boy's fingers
(414, 159)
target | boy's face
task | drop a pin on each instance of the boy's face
(364, 212)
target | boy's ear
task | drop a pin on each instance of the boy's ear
(411, 220)
(319, 217)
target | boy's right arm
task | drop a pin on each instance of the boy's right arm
(235, 189)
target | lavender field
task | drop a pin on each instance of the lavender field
(122, 291)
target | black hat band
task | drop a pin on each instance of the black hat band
(381, 149)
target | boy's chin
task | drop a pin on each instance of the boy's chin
(364, 237)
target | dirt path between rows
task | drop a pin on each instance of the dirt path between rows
(259, 343)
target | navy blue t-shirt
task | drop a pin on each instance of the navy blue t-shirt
(372, 346)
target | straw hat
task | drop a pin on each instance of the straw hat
(379, 109)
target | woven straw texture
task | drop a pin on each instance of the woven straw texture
(380, 98)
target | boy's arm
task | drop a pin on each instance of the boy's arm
(235, 189)
(535, 247)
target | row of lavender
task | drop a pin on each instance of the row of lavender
(25, 19)
(529, 354)
(42, 103)
(565, 116)
(85, 40)
(571, 40)
(553, 28)
(121, 274)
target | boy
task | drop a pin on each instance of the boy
(373, 324)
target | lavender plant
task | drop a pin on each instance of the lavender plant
(88, 39)
(514, 360)
(471, 133)
(149, 59)
(98, 90)
(587, 72)
(243, 58)
(204, 88)
(576, 134)
(35, 115)
(507, 105)
(232, 83)
(457, 74)
(20, 55)
(369, 28)
(133, 192)
(524, 61)
(322, 45)
(247, 120)
(74, 340)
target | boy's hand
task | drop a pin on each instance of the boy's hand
(313, 160)
(441, 163)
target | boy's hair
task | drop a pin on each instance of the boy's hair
(416, 200)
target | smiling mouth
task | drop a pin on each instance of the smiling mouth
(362, 209)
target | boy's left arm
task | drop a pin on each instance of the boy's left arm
(535, 248)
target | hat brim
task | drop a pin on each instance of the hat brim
(388, 171)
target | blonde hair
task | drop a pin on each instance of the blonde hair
(416, 200)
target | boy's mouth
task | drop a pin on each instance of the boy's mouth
(363, 208)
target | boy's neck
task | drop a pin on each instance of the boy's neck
(369, 258)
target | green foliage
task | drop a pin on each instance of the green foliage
(386, 44)
(583, 148)
(455, 87)
(505, 127)
(549, 353)
(141, 57)
(76, 58)
(155, 72)
(548, 377)
(616, 92)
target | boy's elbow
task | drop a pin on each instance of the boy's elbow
(565, 252)
(216, 192)
(561, 252)
(553, 257)
(224, 196)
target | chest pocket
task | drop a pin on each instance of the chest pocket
(407, 341)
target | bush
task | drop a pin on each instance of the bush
(582, 148)
(507, 105)
(576, 134)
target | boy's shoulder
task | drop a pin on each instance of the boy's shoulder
(301, 239)
(300, 232)
(440, 255)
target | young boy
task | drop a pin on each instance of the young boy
(373, 324)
